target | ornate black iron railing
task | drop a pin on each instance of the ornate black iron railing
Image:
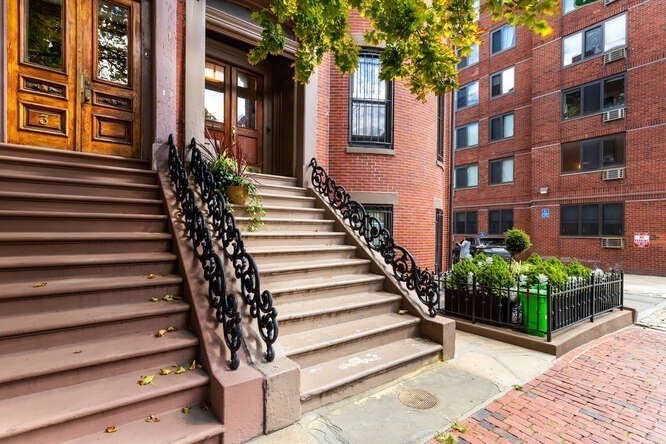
(225, 304)
(377, 238)
(244, 266)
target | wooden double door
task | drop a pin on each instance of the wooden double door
(74, 75)
(234, 110)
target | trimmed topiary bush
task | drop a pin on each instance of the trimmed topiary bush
(517, 241)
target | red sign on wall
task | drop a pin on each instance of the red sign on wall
(641, 240)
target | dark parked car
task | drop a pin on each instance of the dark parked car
(488, 245)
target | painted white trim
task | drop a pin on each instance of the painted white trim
(195, 63)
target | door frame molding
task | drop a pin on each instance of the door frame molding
(3, 72)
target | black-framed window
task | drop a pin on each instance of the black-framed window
(594, 97)
(502, 82)
(595, 40)
(502, 38)
(467, 176)
(468, 95)
(592, 220)
(441, 112)
(499, 221)
(501, 127)
(465, 222)
(370, 103)
(439, 234)
(470, 59)
(501, 171)
(594, 154)
(383, 213)
(467, 135)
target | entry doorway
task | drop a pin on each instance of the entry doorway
(74, 75)
(234, 110)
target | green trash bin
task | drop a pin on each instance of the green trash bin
(535, 309)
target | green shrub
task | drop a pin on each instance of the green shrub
(534, 259)
(495, 273)
(462, 269)
(517, 241)
(576, 269)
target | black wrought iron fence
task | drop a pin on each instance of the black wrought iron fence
(540, 309)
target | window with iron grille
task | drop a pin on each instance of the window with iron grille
(370, 104)
(501, 127)
(594, 97)
(439, 233)
(383, 213)
(465, 222)
(499, 221)
(440, 127)
(592, 220)
(593, 154)
(501, 171)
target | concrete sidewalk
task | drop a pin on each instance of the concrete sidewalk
(482, 370)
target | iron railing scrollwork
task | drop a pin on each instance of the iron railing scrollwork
(225, 304)
(420, 280)
(244, 266)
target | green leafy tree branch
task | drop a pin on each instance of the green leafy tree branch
(423, 40)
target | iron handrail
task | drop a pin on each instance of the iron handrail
(405, 270)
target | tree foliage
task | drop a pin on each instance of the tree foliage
(423, 40)
(517, 241)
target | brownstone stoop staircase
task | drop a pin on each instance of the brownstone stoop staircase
(84, 247)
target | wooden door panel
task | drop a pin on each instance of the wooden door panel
(41, 73)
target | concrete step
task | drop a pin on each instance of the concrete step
(18, 333)
(14, 200)
(330, 381)
(299, 270)
(278, 239)
(37, 243)
(16, 181)
(283, 212)
(75, 410)
(77, 158)
(44, 268)
(326, 343)
(67, 168)
(318, 287)
(300, 225)
(269, 256)
(271, 179)
(300, 316)
(282, 190)
(175, 427)
(80, 222)
(281, 200)
(42, 369)
(24, 298)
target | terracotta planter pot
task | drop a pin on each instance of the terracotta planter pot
(237, 194)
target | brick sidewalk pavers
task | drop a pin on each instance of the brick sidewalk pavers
(612, 390)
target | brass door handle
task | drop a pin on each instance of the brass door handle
(234, 135)
(85, 89)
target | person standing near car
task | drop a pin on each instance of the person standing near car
(464, 249)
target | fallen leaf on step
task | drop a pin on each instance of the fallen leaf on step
(186, 410)
(152, 418)
(193, 365)
(110, 429)
(165, 371)
(170, 328)
(145, 380)
(39, 284)
(402, 312)
(180, 370)
(76, 352)
(154, 299)
(167, 298)
(161, 332)
(151, 276)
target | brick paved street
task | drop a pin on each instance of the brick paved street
(612, 390)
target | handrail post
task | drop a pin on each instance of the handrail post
(473, 299)
(549, 313)
(621, 290)
(594, 293)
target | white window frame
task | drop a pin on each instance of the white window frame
(577, 41)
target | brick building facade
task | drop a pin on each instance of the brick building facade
(585, 157)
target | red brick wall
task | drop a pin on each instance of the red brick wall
(539, 130)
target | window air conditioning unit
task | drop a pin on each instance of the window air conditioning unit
(608, 2)
(614, 114)
(612, 242)
(613, 174)
(615, 54)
